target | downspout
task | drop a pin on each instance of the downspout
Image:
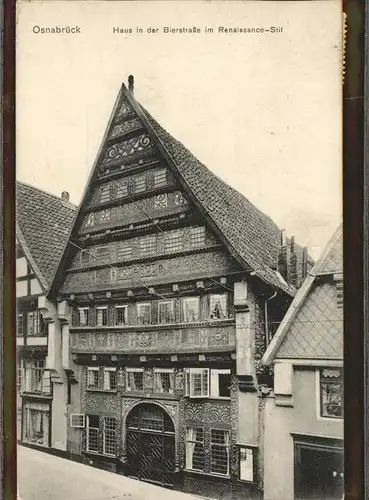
(266, 317)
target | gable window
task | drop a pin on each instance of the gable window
(103, 254)
(164, 380)
(104, 194)
(139, 183)
(92, 433)
(220, 381)
(190, 309)
(174, 241)
(144, 313)
(197, 382)
(124, 250)
(331, 393)
(122, 188)
(92, 377)
(85, 258)
(101, 316)
(197, 237)
(121, 315)
(110, 379)
(219, 452)
(90, 220)
(147, 245)
(179, 198)
(161, 201)
(105, 216)
(109, 435)
(195, 450)
(83, 316)
(166, 311)
(135, 379)
(160, 177)
(218, 306)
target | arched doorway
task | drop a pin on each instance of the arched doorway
(150, 444)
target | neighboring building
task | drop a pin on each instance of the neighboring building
(167, 293)
(42, 228)
(304, 417)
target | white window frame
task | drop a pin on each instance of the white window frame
(89, 370)
(125, 307)
(214, 374)
(104, 435)
(142, 304)
(158, 371)
(227, 446)
(191, 441)
(88, 427)
(102, 308)
(189, 299)
(134, 370)
(162, 302)
(189, 382)
(79, 315)
(73, 417)
(107, 380)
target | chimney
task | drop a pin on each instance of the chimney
(131, 83)
(293, 263)
(65, 196)
(282, 257)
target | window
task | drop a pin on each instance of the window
(166, 314)
(121, 315)
(110, 379)
(85, 258)
(83, 316)
(35, 323)
(122, 189)
(124, 250)
(101, 316)
(92, 433)
(197, 237)
(195, 452)
(40, 381)
(331, 393)
(218, 306)
(147, 245)
(20, 324)
(219, 452)
(164, 380)
(190, 309)
(90, 220)
(161, 201)
(105, 216)
(109, 435)
(220, 381)
(20, 376)
(77, 420)
(139, 183)
(36, 424)
(174, 241)
(104, 194)
(144, 314)
(103, 254)
(246, 464)
(160, 177)
(92, 377)
(197, 382)
(135, 379)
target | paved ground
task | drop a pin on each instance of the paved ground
(44, 477)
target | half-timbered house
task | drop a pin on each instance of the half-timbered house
(168, 292)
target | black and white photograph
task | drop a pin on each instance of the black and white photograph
(179, 270)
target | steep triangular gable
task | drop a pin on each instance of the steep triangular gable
(313, 325)
(134, 139)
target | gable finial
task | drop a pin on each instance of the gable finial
(131, 83)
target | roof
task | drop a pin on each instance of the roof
(313, 324)
(43, 225)
(251, 236)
